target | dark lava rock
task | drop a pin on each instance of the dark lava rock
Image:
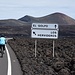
(64, 72)
(44, 64)
(58, 66)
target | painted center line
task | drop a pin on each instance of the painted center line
(9, 62)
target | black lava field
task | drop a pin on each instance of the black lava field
(44, 64)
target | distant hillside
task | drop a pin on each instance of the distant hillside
(12, 22)
(12, 28)
(59, 18)
(28, 19)
(22, 26)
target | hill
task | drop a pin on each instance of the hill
(12, 22)
(12, 28)
(58, 18)
(22, 26)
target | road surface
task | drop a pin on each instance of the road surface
(9, 64)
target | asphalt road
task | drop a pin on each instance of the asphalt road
(3, 65)
(9, 64)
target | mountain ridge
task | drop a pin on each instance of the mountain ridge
(22, 26)
(57, 17)
(12, 22)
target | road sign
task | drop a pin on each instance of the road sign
(43, 30)
(44, 26)
(50, 34)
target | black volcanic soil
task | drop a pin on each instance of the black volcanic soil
(25, 31)
(44, 64)
(15, 31)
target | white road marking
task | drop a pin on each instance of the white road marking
(9, 62)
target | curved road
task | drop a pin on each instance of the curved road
(9, 64)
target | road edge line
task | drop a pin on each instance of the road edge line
(9, 61)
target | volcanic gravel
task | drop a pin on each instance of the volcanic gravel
(44, 64)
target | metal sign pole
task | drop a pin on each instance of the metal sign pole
(53, 49)
(35, 47)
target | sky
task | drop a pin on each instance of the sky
(15, 9)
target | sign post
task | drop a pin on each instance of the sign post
(44, 30)
(53, 49)
(35, 47)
